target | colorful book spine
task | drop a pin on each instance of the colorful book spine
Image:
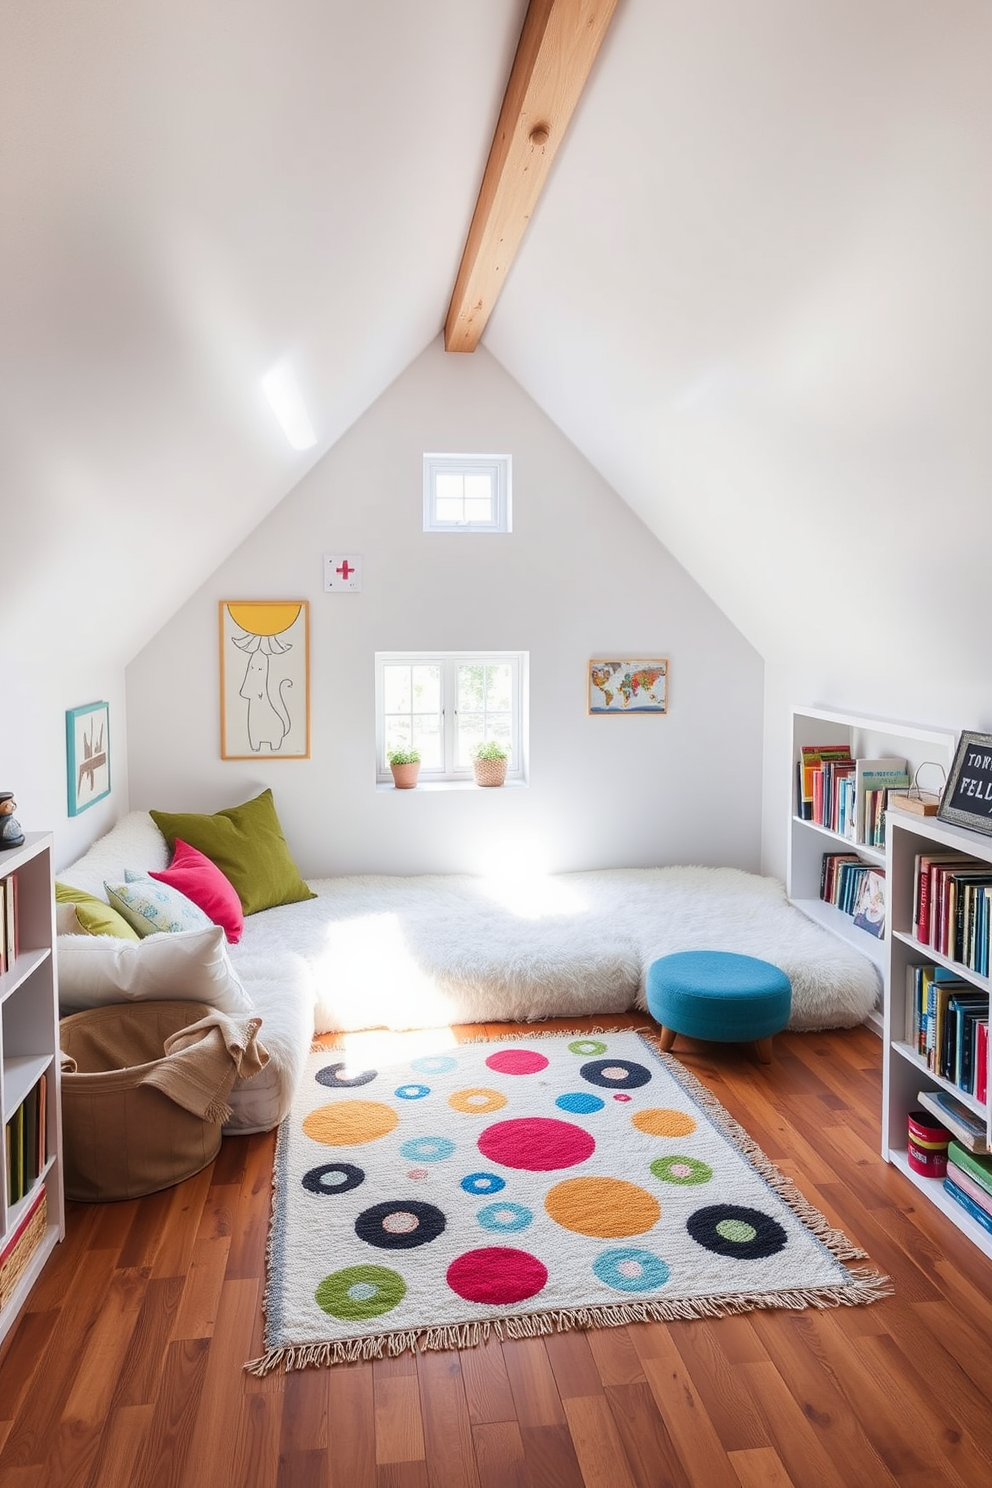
(968, 1205)
(978, 1168)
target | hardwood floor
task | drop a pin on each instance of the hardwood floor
(127, 1367)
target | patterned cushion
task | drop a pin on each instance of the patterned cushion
(149, 906)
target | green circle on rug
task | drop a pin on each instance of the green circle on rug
(682, 1170)
(586, 1047)
(737, 1230)
(360, 1292)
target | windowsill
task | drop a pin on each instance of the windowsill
(427, 786)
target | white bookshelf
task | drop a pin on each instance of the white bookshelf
(29, 1048)
(867, 738)
(904, 1070)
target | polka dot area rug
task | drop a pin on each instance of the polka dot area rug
(522, 1187)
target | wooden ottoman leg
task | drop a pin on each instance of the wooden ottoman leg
(764, 1048)
(666, 1040)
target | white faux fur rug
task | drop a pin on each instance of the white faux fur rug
(420, 951)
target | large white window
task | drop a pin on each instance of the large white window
(466, 493)
(444, 704)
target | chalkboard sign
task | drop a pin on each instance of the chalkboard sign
(967, 801)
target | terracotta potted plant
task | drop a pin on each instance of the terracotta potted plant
(405, 765)
(489, 763)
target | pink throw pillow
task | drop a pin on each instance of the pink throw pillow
(193, 874)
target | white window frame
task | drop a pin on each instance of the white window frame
(448, 662)
(498, 467)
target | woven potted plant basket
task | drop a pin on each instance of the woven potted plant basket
(489, 763)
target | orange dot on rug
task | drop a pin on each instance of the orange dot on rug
(350, 1121)
(604, 1207)
(662, 1123)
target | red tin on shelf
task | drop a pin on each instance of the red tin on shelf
(927, 1145)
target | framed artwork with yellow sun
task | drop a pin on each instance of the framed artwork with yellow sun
(264, 679)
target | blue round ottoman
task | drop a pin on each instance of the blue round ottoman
(719, 995)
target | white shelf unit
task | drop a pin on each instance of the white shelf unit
(29, 1048)
(867, 738)
(904, 1072)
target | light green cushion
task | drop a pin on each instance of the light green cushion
(247, 844)
(95, 917)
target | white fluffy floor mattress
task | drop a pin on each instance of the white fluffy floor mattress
(419, 951)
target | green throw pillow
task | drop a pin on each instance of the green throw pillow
(247, 845)
(95, 917)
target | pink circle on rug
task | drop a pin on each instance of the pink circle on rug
(537, 1144)
(517, 1062)
(497, 1274)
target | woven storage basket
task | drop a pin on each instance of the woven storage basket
(27, 1237)
(122, 1139)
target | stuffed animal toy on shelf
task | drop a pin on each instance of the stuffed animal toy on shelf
(10, 828)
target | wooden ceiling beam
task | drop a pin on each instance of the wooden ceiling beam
(559, 42)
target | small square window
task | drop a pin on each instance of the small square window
(466, 493)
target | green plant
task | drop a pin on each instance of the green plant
(403, 756)
(491, 750)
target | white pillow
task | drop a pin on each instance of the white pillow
(150, 906)
(66, 921)
(185, 966)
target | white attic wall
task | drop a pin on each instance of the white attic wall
(579, 573)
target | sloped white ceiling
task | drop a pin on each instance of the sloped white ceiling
(758, 295)
(755, 293)
(192, 191)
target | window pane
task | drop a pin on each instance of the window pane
(471, 731)
(446, 510)
(427, 738)
(499, 687)
(398, 734)
(396, 689)
(479, 487)
(471, 686)
(426, 689)
(478, 511)
(448, 487)
(498, 728)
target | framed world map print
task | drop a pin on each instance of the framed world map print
(637, 686)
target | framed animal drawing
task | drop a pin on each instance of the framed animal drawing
(264, 679)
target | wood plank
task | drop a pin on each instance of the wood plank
(549, 1456)
(651, 1454)
(499, 1455)
(685, 1417)
(351, 1425)
(532, 1380)
(487, 1385)
(399, 1431)
(448, 1440)
(573, 1365)
(597, 1442)
(559, 43)
(761, 1467)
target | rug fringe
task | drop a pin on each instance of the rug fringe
(865, 1286)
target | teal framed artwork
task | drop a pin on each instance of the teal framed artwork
(87, 750)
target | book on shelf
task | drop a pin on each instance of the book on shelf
(25, 1139)
(874, 777)
(977, 1166)
(964, 1124)
(981, 1091)
(980, 1215)
(967, 1185)
(924, 866)
(813, 756)
(869, 911)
